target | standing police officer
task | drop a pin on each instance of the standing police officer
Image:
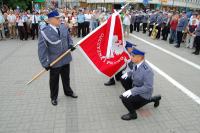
(182, 24)
(144, 21)
(159, 24)
(132, 25)
(142, 86)
(152, 21)
(81, 20)
(54, 40)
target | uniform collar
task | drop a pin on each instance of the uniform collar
(138, 65)
(54, 27)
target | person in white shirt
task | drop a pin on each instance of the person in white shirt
(35, 20)
(194, 17)
(88, 18)
(21, 28)
(25, 19)
(126, 23)
(75, 24)
(12, 24)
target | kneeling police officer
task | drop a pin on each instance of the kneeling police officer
(140, 94)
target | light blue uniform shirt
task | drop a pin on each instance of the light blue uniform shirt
(80, 18)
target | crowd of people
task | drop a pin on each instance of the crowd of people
(22, 25)
(171, 25)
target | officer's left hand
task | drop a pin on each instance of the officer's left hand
(127, 94)
(48, 67)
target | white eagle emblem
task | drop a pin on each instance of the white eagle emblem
(117, 47)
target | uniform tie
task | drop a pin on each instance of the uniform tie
(135, 67)
(58, 31)
(34, 20)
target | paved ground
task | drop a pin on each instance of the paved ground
(27, 109)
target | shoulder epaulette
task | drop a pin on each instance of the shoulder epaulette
(145, 67)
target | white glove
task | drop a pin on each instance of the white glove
(141, 24)
(156, 24)
(124, 76)
(127, 93)
(123, 72)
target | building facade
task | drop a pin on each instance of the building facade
(191, 4)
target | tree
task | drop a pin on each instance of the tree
(23, 4)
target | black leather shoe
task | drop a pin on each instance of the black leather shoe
(177, 46)
(110, 82)
(129, 116)
(156, 100)
(73, 95)
(196, 53)
(54, 102)
(121, 96)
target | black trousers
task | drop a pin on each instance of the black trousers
(64, 71)
(197, 44)
(179, 37)
(133, 103)
(126, 83)
(138, 26)
(159, 31)
(144, 27)
(26, 31)
(34, 30)
(150, 29)
(81, 29)
(87, 27)
(131, 28)
(165, 32)
(22, 33)
(134, 26)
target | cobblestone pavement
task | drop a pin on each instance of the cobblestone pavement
(27, 109)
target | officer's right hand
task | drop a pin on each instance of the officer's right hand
(124, 76)
(48, 67)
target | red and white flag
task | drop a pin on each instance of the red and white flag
(105, 48)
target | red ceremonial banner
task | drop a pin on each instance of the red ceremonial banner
(106, 40)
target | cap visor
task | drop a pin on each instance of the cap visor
(58, 16)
